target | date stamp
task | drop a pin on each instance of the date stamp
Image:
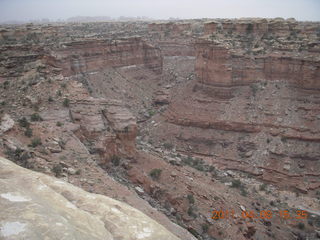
(264, 214)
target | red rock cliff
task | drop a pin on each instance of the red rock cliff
(94, 55)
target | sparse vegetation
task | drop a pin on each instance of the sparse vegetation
(115, 160)
(35, 117)
(151, 113)
(155, 173)
(236, 183)
(254, 88)
(23, 122)
(66, 102)
(191, 212)
(35, 142)
(168, 146)
(205, 227)
(263, 187)
(190, 198)
(198, 164)
(57, 170)
(59, 124)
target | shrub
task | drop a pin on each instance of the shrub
(263, 187)
(59, 124)
(243, 192)
(57, 170)
(115, 160)
(191, 199)
(36, 117)
(59, 93)
(35, 142)
(50, 99)
(66, 102)
(205, 227)
(191, 212)
(151, 113)
(198, 164)
(28, 132)
(168, 146)
(23, 122)
(155, 173)
(254, 88)
(236, 183)
(19, 156)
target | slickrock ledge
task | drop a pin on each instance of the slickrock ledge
(36, 206)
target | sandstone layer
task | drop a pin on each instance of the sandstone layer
(36, 206)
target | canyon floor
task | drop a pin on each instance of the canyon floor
(210, 127)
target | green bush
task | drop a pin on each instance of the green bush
(35, 142)
(115, 160)
(59, 124)
(263, 187)
(191, 199)
(236, 183)
(23, 122)
(66, 102)
(57, 170)
(191, 212)
(155, 173)
(36, 117)
(205, 227)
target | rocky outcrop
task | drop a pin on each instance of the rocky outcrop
(36, 206)
(93, 55)
(6, 124)
(108, 124)
(261, 26)
(218, 64)
(174, 39)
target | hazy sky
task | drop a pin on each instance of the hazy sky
(161, 9)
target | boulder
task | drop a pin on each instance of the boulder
(37, 206)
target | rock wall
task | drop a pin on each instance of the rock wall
(174, 39)
(217, 64)
(93, 55)
(261, 26)
(36, 206)
(107, 124)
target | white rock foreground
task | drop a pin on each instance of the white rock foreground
(39, 207)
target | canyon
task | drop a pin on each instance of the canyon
(175, 118)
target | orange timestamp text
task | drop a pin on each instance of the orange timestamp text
(264, 214)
